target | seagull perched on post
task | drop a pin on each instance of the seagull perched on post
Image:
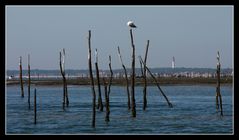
(131, 24)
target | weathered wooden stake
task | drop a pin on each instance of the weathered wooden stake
(64, 91)
(218, 93)
(145, 77)
(111, 75)
(126, 77)
(141, 69)
(20, 76)
(29, 81)
(62, 69)
(133, 76)
(156, 82)
(67, 99)
(91, 80)
(107, 94)
(107, 108)
(100, 104)
(35, 107)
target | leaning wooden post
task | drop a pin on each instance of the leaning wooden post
(100, 104)
(126, 77)
(91, 80)
(145, 77)
(141, 69)
(133, 76)
(218, 94)
(29, 81)
(20, 76)
(35, 107)
(157, 84)
(62, 73)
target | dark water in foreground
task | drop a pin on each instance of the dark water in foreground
(194, 111)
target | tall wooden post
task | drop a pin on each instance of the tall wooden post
(91, 80)
(107, 96)
(111, 75)
(29, 81)
(63, 79)
(133, 76)
(20, 76)
(100, 104)
(126, 77)
(62, 69)
(65, 82)
(145, 77)
(218, 93)
(35, 107)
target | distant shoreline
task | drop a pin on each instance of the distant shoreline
(121, 81)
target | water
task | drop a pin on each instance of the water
(193, 111)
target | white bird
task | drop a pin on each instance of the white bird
(131, 24)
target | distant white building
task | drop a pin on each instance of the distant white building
(173, 63)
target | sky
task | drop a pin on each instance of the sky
(192, 34)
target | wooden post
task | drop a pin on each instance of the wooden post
(157, 84)
(29, 81)
(20, 76)
(107, 93)
(91, 80)
(126, 77)
(107, 108)
(62, 69)
(100, 104)
(133, 76)
(218, 93)
(67, 99)
(62, 73)
(141, 69)
(111, 75)
(145, 77)
(35, 107)
(65, 82)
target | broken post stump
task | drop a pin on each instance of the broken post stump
(35, 107)
(29, 82)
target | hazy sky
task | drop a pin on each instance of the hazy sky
(192, 34)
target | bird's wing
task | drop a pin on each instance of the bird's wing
(132, 25)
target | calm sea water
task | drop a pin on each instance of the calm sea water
(193, 111)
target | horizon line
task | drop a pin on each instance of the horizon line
(130, 68)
